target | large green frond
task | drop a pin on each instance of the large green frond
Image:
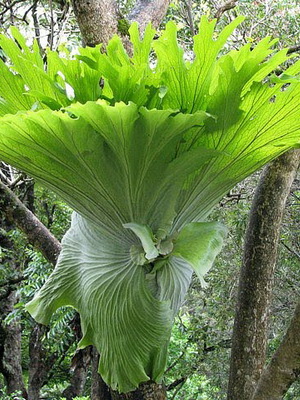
(268, 126)
(128, 325)
(126, 309)
(110, 163)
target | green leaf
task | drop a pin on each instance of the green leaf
(198, 243)
(127, 77)
(48, 101)
(111, 164)
(146, 237)
(82, 74)
(188, 83)
(128, 325)
(126, 310)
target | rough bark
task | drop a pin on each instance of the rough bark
(81, 362)
(80, 365)
(41, 363)
(146, 391)
(10, 334)
(256, 277)
(37, 234)
(97, 20)
(99, 389)
(38, 366)
(10, 349)
(284, 368)
(146, 11)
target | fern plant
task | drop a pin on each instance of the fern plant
(142, 158)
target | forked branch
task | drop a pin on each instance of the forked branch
(38, 235)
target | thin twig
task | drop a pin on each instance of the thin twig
(225, 7)
(292, 251)
(175, 362)
(8, 6)
(190, 16)
(61, 22)
(13, 281)
(26, 13)
(176, 383)
(179, 387)
(294, 49)
(37, 26)
(51, 35)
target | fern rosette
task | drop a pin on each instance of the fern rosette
(142, 159)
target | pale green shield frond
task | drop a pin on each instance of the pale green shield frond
(129, 326)
(198, 243)
(126, 309)
(146, 147)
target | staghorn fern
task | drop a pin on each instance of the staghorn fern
(142, 160)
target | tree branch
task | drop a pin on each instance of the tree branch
(146, 11)
(38, 235)
(97, 20)
(224, 344)
(8, 6)
(177, 382)
(188, 6)
(294, 252)
(284, 367)
(13, 281)
(250, 336)
(225, 7)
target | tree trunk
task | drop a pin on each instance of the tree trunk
(99, 389)
(10, 349)
(97, 20)
(10, 334)
(38, 367)
(146, 11)
(256, 278)
(284, 368)
(80, 364)
(146, 391)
